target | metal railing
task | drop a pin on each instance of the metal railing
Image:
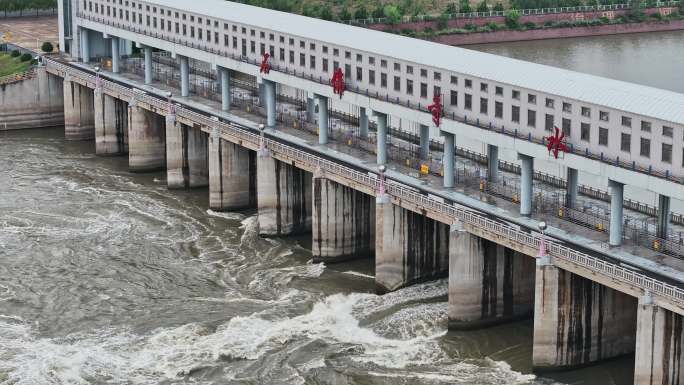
(397, 191)
(482, 124)
(14, 78)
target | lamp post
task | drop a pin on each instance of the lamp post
(169, 104)
(262, 142)
(381, 186)
(98, 80)
(543, 256)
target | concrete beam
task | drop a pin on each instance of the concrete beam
(343, 222)
(232, 176)
(488, 283)
(146, 140)
(659, 341)
(579, 322)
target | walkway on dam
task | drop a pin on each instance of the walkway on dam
(629, 252)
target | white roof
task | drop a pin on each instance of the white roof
(633, 98)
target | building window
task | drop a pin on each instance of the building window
(645, 147)
(627, 122)
(292, 57)
(498, 91)
(436, 91)
(548, 122)
(438, 76)
(347, 55)
(383, 63)
(626, 142)
(325, 47)
(371, 60)
(603, 136)
(532, 118)
(336, 52)
(586, 112)
(515, 114)
(468, 102)
(423, 90)
(585, 132)
(371, 77)
(397, 83)
(484, 104)
(515, 94)
(483, 87)
(666, 154)
(454, 98)
(567, 127)
(645, 126)
(347, 72)
(667, 131)
(383, 80)
(325, 63)
(567, 107)
(409, 70)
(409, 86)
(498, 109)
(302, 60)
(359, 74)
(549, 102)
(359, 58)
(454, 80)
(531, 99)
(468, 83)
(397, 67)
(423, 73)
(312, 61)
(603, 116)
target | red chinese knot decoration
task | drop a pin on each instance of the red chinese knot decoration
(436, 109)
(265, 65)
(337, 82)
(556, 143)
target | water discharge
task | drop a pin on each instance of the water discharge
(107, 277)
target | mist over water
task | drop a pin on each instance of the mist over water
(107, 277)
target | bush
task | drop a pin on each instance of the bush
(15, 53)
(494, 26)
(656, 15)
(443, 21)
(530, 25)
(604, 20)
(470, 27)
(47, 47)
(26, 57)
(512, 18)
(499, 7)
(548, 23)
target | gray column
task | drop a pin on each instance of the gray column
(663, 215)
(526, 174)
(198, 157)
(448, 159)
(492, 163)
(79, 111)
(85, 45)
(111, 124)
(270, 102)
(176, 154)
(185, 76)
(146, 139)
(571, 188)
(262, 95)
(616, 212)
(382, 138)
(232, 175)
(424, 142)
(148, 64)
(225, 88)
(363, 123)
(115, 54)
(310, 109)
(322, 119)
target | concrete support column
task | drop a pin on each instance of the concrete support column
(225, 88)
(409, 247)
(79, 112)
(185, 76)
(322, 119)
(663, 215)
(147, 140)
(363, 123)
(177, 172)
(449, 160)
(488, 283)
(343, 222)
(262, 95)
(270, 102)
(526, 178)
(382, 138)
(283, 197)
(659, 341)
(85, 45)
(572, 186)
(232, 176)
(492, 163)
(148, 64)
(198, 157)
(111, 125)
(578, 321)
(116, 57)
(424, 142)
(310, 109)
(616, 212)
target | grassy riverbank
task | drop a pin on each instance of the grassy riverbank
(11, 65)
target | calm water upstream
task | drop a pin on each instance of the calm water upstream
(107, 277)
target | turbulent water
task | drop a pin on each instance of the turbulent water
(108, 278)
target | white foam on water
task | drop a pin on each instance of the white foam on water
(356, 273)
(232, 216)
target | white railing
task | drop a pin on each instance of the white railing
(398, 191)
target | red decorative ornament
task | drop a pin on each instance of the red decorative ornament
(265, 65)
(337, 82)
(436, 109)
(556, 143)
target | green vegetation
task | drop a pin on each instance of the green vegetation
(12, 65)
(22, 6)
(47, 47)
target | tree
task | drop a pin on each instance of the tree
(513, 19)
(482, 7)
(344, 15)
(378, 12)
(47, 47)
(326, 13)
(498, 7)
(392, 14)
(453, 9)
(360, 13)
(465, 7)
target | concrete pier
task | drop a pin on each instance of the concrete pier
(659, 342)
(310, 109)
(116, 57)
(579, 322)
(283, 197)
(488, 283)
(664, 215)
(198, 157)
(363, 123)
(343, 222)
(449, 161)
(270, 102)
(177, 171)
(148, 64)
(232, 176)
(382, 138)
(225, 88)
(492, 163)
(146, 140)
(322, 119)
(111, 125)
(35, 102)
(424, 142)
(617, 190)
(526, 186)
(572, 188)
(185, 75)
(79, 112)
(409, 247)
(84, 44)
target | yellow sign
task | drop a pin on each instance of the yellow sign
(7, 37)
(560, 213)
(424, 169)
(656, 245)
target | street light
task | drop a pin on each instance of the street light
(262, 142)
(381, 187)
(169, 103)
(98, 81)
(542, 244)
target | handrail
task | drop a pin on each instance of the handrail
(14, 78)
(398, 191)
